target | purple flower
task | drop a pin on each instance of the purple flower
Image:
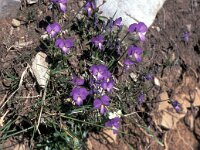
(89, 7)
(141, 98)
(98, 41)
(135, 52)
(98, 71)
(186, 36)
(149, 76)
(79, 94)
(62, 4)
(77, 81)
(107, 84)
(101, 102)
(176, 105)
(139, 28)
(133, 27)
(118, 22)
(128, 63)
(114, 124)
(53, 29)
(64, 45)
(101, 78)
(58, 41)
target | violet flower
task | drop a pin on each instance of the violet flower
(77, 81)
(64, 45)
(53, 29)
(139, 28)
(128, 63)
(149, 77)
(118, 22)
(141, 98)
(176, 105)
(58, 41)
(135, 52)
(101, 102)
(107, 84)
(186, 36)
(114, 124)
(79, 94)
(98, 41)
(98, 71)
(62, 4)
(89, 7)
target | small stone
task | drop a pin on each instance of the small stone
(80, 3)
(32, 1)
(44, 36)
(189, 26)
(158, 29)
(16, 23)
(80, 16)
(156, 81)
(172, 57)
(133, 76)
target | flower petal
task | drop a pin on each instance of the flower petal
(97, 103)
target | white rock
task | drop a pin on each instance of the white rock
(134, 76)
(44, 36)
(131, 11)
(16, 23)
(32, 1)
(40, 69)
(156, 81)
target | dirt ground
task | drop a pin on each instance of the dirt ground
(174, 59)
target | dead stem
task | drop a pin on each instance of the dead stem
(43, 103)
(2, 118)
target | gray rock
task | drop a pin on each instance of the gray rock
(9, 8)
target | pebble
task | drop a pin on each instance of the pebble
(133, 76)
(156, 81)
(16, 23)
(32, 1)
(44, 36)
(158, 29)
(80, 3)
